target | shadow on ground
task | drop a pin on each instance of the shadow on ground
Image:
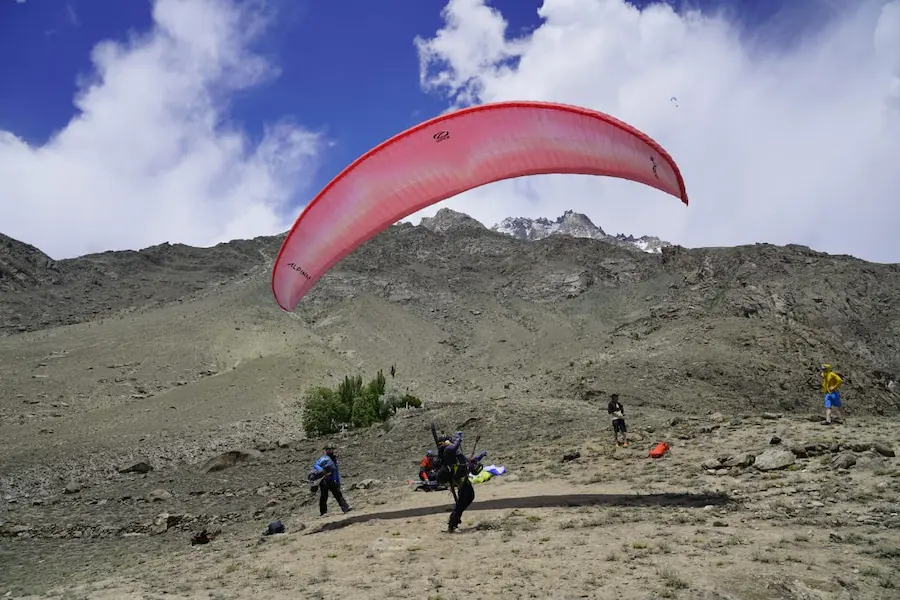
(547, 501)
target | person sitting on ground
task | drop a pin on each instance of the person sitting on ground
(329, 476)
(427, 468)
(831, 381)
(617, 411)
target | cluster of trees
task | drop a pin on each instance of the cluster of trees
(352, 405)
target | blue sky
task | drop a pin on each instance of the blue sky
(359, 98)
(348, 74)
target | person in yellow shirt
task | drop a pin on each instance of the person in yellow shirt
(831, 381)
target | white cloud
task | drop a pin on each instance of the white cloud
(150, 156)
(794, 143)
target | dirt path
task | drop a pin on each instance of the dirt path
(548, 538)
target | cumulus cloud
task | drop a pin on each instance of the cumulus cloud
(150, 155)
(783, 143)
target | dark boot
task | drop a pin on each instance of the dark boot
(453, 523)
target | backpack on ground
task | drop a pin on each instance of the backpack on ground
(659, 450)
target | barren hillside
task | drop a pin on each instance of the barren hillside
(174, 354)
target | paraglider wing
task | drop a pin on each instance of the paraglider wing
(453, 153)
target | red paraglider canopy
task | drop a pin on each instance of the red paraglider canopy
(450, 154)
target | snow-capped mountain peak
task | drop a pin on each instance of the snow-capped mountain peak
(573, 224)
(570, 223)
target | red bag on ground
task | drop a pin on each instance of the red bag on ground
(659, 450)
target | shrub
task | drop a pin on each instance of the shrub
(393, 400)
(352, 405)
(323, 411)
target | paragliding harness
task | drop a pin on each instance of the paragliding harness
(455, 473)
(428, 486)
(314, 477)
(427, 481)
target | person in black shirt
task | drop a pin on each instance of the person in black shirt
(617, 411)
(454, 470)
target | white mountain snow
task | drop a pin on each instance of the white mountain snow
(570, 223)
(573, 224)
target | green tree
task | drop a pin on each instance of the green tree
(349, 389)
(377, 385)
(323, 412)
(365, 410)
(352, 404)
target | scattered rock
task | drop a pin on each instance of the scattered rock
(571, 456)
(160, 523)
(744, 459)
(158, 495)
(138, 467)
(72, 488)
(799, 451)
(771, 416)
(365, 484)
(15, 530)
(884, 449)
(845, 460)
(773, 459)
(229, 459)
(710, 464)
(807, 450)
(775, 440)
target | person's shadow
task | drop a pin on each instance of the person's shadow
(686, 500)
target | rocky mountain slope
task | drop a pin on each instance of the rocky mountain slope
(172, 355)
(23, 266)
(37, 292)
(725, 323)
(575, 225)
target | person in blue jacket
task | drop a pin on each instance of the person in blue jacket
(329, 480)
